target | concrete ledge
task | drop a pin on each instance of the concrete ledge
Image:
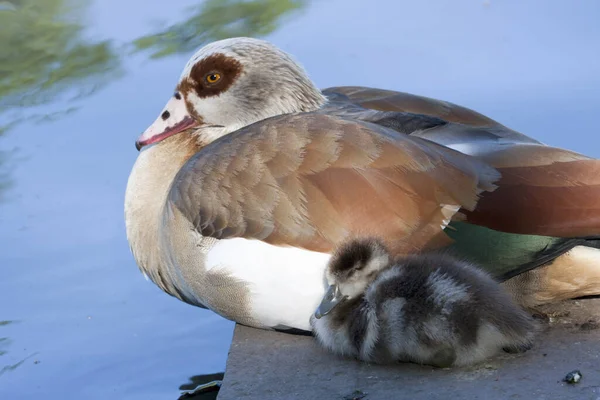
(269, 365)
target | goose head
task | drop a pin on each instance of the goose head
(352, 267)
(232, 83)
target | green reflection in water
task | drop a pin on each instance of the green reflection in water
(219, 19)
(45, 57)
(45, 60)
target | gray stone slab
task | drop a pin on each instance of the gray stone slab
(269, 365)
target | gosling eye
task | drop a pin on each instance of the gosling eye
(213, 77)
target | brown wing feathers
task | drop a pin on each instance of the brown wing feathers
(544, 191)
(311, 180)
(388, 100)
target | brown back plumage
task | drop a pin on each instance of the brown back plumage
(389, 100)
(311, 180)
(543, 190)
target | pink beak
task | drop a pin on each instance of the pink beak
(174, 119)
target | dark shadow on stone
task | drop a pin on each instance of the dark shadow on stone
(293, 331)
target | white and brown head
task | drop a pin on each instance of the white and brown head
(353, 266)
(232, 83)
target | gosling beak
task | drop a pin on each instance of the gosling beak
(173, 119)
(332, 298)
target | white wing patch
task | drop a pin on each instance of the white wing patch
(286, 284)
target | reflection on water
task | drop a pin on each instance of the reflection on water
(4, 341)
(46, 61)
(4, 345)
(45, 58)
(4, 172)
(219, 19)
(198, 380)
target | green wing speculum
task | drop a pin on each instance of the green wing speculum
(505, 255)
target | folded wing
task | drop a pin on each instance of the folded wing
(543, 190)
(310, 180)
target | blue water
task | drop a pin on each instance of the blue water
(87, 324)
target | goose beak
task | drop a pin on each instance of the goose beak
(173, 119)
(332, 298)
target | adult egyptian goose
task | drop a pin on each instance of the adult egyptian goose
(429, 308)
(255, 175)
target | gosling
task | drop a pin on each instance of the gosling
(429, 309)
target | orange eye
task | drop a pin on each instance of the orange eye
(213, 78)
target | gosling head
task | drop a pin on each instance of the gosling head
(353, 266)
(232, 83)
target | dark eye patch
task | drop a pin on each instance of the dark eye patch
(227, 67)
